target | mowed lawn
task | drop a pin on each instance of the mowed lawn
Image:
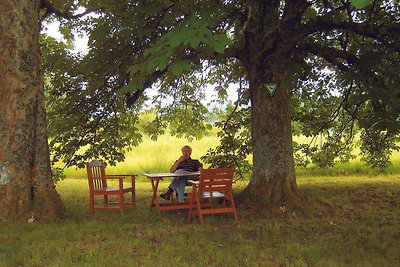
(345, 221)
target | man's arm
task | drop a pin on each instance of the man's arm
(173, 167)
(176, 164)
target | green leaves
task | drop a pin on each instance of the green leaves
(133, 86)
(171, 52)
(133, 69)
(194, 43)
(220, 42)
(360, 3)
(234, 147)
(377, 146)
(178, 67)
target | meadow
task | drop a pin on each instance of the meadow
(158, 156)
(346, 220)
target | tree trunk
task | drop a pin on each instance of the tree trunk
(267, 58)
(273, 181)
(26, 186)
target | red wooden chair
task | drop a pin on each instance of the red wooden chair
(213, 183)
(97, 179)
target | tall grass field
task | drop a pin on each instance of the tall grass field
(158, 156)
(349, 218)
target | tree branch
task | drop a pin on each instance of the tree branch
(50, 9)
(132, 98)
(347, 62)
(330, 54)
(385, 34)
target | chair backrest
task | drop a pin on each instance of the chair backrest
(96, 174)
(215, 180)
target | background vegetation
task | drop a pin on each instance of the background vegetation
(158, 156)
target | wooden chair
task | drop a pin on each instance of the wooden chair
(97, 179)
(213, 183)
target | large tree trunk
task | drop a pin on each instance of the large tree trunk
(273, 181)
(267, 58)
(26, 186)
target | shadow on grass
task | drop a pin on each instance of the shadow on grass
(346, 221)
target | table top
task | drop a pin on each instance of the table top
(170, 174)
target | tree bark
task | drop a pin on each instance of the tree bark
(273, 181)
(267, 57)
(26, 186)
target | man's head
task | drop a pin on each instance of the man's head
(186, 151)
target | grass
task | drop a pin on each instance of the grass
(347, 221)
(354, 167)
(158, 156)
(154, 156)
(350, 218)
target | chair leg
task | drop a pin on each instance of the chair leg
(233, 206)
(121, 202)
(134, 192)
(199, 208)
(91, 204)
(105, 200)
(191, 205)
(133, 199)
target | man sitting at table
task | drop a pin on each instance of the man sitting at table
(184, 164)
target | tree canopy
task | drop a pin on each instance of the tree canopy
(334, 63)
(343, 73)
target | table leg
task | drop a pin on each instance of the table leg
(154, 199)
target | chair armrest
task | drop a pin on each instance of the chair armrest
(192, 182)
(121, 177)
(116, 177)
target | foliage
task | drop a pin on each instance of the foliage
(234, 146)
(150, 156)
(193, 34)
(84, 123)
(342, 56)
(377, 147)
(321, 115)
(335, 104)
(360, 3)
